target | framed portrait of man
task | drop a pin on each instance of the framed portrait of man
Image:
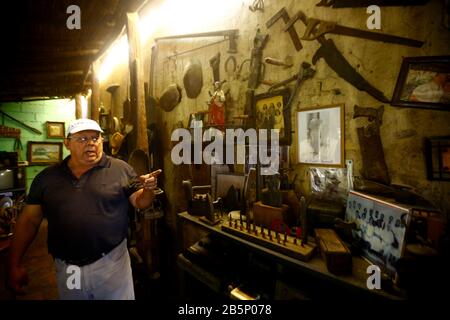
(320, 136)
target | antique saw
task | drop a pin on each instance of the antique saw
(316, 28)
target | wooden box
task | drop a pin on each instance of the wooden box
(322, 213)
(335, 253)
(265, 215)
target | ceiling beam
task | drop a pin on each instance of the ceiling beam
(47, 65)
(50, 74)
(52, 54)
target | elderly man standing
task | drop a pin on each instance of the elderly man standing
(85, 199)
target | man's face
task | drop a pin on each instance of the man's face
(83, 148)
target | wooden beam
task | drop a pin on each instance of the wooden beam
(137, 81)
(95, 98)
(45, 73)
(78, 106)
(83, 83)
(48, 47)
(57, 68)
(53, 60)
(48, 92)
(12, 98)
(35, 43)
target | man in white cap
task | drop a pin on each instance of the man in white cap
(85, 199)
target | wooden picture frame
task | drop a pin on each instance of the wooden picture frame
(320, 136)
(437, 156)
(44, 153)
(270, 113)
(55, 129)
(423, 82)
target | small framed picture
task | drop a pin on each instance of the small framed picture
(271, 113)
(423, 82)
(437, 154)
(55, 129)
(44, 153)
(320, 133)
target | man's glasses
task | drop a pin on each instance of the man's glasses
(85, 140)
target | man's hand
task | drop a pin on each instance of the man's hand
(150, 181)
(143, 198)
(17, 279)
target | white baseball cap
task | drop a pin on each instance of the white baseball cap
(82, 125)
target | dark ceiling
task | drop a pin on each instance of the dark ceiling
(42, 57)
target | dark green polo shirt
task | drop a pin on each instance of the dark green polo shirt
(86, 216)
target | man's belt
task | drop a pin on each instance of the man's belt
(83, 262)
(86, 261)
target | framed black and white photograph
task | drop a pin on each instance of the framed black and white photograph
(320, 136)
(423, 82)
(381, 228)
(271, 113)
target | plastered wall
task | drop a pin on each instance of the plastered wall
(402, 131)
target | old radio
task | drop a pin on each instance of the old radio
(12, 175)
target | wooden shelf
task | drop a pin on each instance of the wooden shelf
(315, 267)
(12, 190)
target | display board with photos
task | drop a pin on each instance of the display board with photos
(380, 228)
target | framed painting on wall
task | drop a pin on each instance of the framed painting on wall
(44, 153)
(320, 133)
(423, 82)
